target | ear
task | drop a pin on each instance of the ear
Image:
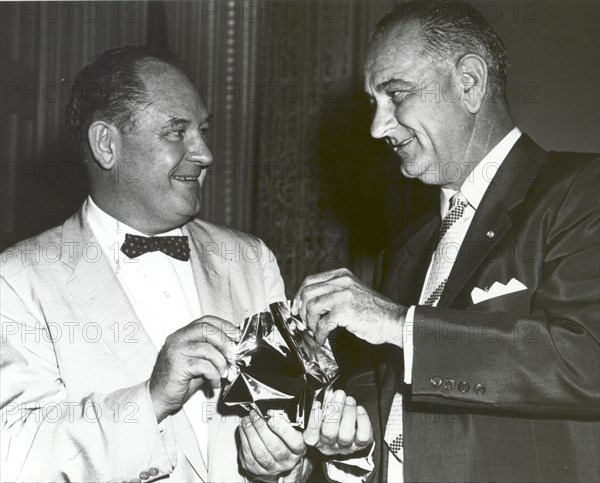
(105, 142)
(472, 72)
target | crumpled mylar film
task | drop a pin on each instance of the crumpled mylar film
(279, 365)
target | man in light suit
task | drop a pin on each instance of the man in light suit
(115, 332)
(485, 326)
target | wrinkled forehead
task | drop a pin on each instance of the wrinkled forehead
(168, 88)
(400, 53)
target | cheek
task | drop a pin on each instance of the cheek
(156, 165)
(417, 113)
(442, 126)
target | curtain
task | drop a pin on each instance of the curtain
(43, 46)
(220, 53)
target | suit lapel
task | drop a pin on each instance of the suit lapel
(492, 220)
(95, 288)
(407, 270)
(212, 280)
(409, 262)
(215, 296)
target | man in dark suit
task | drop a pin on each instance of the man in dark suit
(485, 325)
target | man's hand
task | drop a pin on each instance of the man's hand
(192, 356)
(337, 299)
(341, 428)
(270, 448)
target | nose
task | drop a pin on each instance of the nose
(383, 121)
(198, 151)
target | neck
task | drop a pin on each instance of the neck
(487, 132)
(133, 218)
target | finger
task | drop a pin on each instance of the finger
(313, 280)
(317, 307)
(324, 328)
(332, 415)
(223, 325)
(329, 311)
(312, 432)
(207, 331)
(347, 429)
(205, 369)
(312, 291)
(194, 350)
(261, 454)
(287, 434)
(364, 430)
(279, 450)
(274, 445)
(248, 460)
(309, 280)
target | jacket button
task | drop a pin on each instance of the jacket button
(144, 475)
(479, 389)
(153, 471)
(449, 384)
(436, 381)
(463, 386)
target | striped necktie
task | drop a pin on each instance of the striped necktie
(448, 243)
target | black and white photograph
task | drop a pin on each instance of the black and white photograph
(413, 184)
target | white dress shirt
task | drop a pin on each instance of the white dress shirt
(163, 294)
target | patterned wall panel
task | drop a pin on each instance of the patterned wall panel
(308, 55)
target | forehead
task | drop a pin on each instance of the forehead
(171, 93)
(400, 54)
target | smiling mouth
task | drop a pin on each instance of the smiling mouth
(184, 178)
(404, 143)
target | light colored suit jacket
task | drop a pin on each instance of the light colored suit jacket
(76, 358)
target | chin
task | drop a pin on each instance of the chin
(191, 209)
(188, 205)
(408, 170)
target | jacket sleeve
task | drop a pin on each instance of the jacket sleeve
(274, 285)
(546, 362)
(48, 437)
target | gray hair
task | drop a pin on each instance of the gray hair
(451, 29)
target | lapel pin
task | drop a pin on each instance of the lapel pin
(490, 234)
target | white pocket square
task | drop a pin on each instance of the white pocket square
(496, 290)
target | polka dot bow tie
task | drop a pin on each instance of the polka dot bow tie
(177, 247)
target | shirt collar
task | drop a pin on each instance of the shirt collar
(476, 184)
(109, 230)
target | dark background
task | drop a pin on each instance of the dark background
(294, 161)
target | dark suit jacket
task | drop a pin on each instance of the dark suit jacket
(506, 389)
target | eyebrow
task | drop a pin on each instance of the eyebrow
(177, 121)
(394, 82)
